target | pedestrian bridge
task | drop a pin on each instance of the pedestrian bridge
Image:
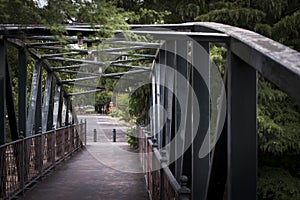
(199, 139)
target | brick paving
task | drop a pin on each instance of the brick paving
(89, 175)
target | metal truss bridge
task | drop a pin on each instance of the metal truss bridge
(200, 139)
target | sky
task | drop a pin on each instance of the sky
(41, 3)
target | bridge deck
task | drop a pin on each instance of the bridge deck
(87, 175)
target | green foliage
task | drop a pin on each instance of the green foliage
(146, 16)
(242, 17)
(132, 137)
(287, 29)
(218, 56)
(272, 8)
(190, 9)
(138, 103)
(103, 97)
(264, 29)
(278, 121)
(122, 104)
(14, 11)
(277, 184)
(114, 112)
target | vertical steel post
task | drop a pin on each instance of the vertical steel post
(187, 163)
(73, 113)
(158, 94)
(60, 109)
(161, 93)
(22, 89)
(33, 98)
(2, 91)
(47, 102)
(56, 106)
(242, 130)
(168, 103)
(38, 109)
(181, 91)
(153, 117)
(67, 106)
(51, 106)
(201, 79)
(11, 106)
(64, 110)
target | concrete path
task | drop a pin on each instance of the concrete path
(103, 170)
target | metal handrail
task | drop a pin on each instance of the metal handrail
(180, 191)
(26, 160)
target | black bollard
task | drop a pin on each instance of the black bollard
(95, 135)
(114, 135)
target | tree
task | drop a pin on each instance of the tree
(13, 12)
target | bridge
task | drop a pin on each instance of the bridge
(200, 136)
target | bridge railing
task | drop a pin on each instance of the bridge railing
(161, 183)
(204, 116)
(26, 160)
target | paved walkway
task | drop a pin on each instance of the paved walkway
(102, 170)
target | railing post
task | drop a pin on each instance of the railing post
(163, 164)
(81, 132)
(63, 143)
(85, 137)
(154, 145)
(53, 145)
(22, 163)
(184, 192)
(71, 136)
(41, 151)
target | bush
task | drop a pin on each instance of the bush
(114, 112)
(132, 137)
(277, 184)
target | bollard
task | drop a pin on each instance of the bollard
(114, 135)
(95, 135)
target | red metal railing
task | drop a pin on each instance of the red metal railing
(161, 183)
(24, 161)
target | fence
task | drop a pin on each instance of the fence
(26, 160)
(161, 183)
